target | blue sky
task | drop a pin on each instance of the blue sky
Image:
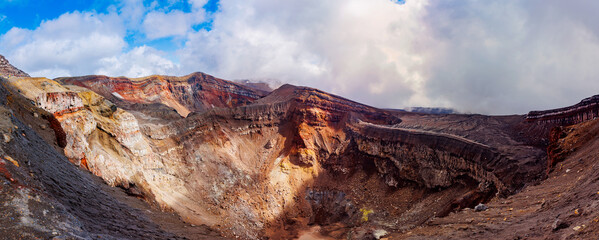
(29, 14)
(496, 56)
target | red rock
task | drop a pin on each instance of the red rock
(192, 93)
(244, 161)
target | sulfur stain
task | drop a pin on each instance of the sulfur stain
(365, 213)
(12, 160)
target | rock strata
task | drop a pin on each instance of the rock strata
(44, 196)
(250, 163)
(587, 109)
(192, 93)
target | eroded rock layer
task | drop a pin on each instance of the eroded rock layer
(194, 92)
(44, 196)
(587, 109)
(562, 206)
(254, 165)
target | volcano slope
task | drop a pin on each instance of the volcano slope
(562, 206)
(253, 164)
(44, 196)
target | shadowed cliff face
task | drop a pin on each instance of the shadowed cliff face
(252, 164)
(562, 206)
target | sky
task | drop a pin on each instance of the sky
(489, 57)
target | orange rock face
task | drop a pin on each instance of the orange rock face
(249, 168)
(192, 93)
(253, 164)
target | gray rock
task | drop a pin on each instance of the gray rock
(559, 224)
(269, 144)
(480, 207)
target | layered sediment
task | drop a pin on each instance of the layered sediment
(254, 164)
(587, 109)
(44, 196)
(191, 93)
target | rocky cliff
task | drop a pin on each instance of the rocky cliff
(44, 196)
(7, 70)
(562, 206)
(256, 164)
(192, 93)
(587, 109)
(252, 166)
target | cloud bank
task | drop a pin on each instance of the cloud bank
(494, 57)
(80, 43)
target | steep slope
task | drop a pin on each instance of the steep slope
(254, 164)
(270, 166)
(8, 70)
(563, 206)
(102, 138)
(43, 196)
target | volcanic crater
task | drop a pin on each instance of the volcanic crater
(242, 162)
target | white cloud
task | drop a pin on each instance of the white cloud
(197, 4)
(131, 12)
(162, 22)
(140, 61)
(174, 23)
(355, 48)
(69, 44)
(513, 56)
(488, 57)
(80, 43)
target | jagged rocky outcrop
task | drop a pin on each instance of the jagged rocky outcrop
(7, 70)
(563, 206)
(299, 136)
(99, 137)
(432, 159)
(587, 109)
(192, 93)
(243, 161)
(44, 196)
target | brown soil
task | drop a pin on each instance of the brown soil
(564, 206)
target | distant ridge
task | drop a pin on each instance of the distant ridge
(8, 70)
(432, 110)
